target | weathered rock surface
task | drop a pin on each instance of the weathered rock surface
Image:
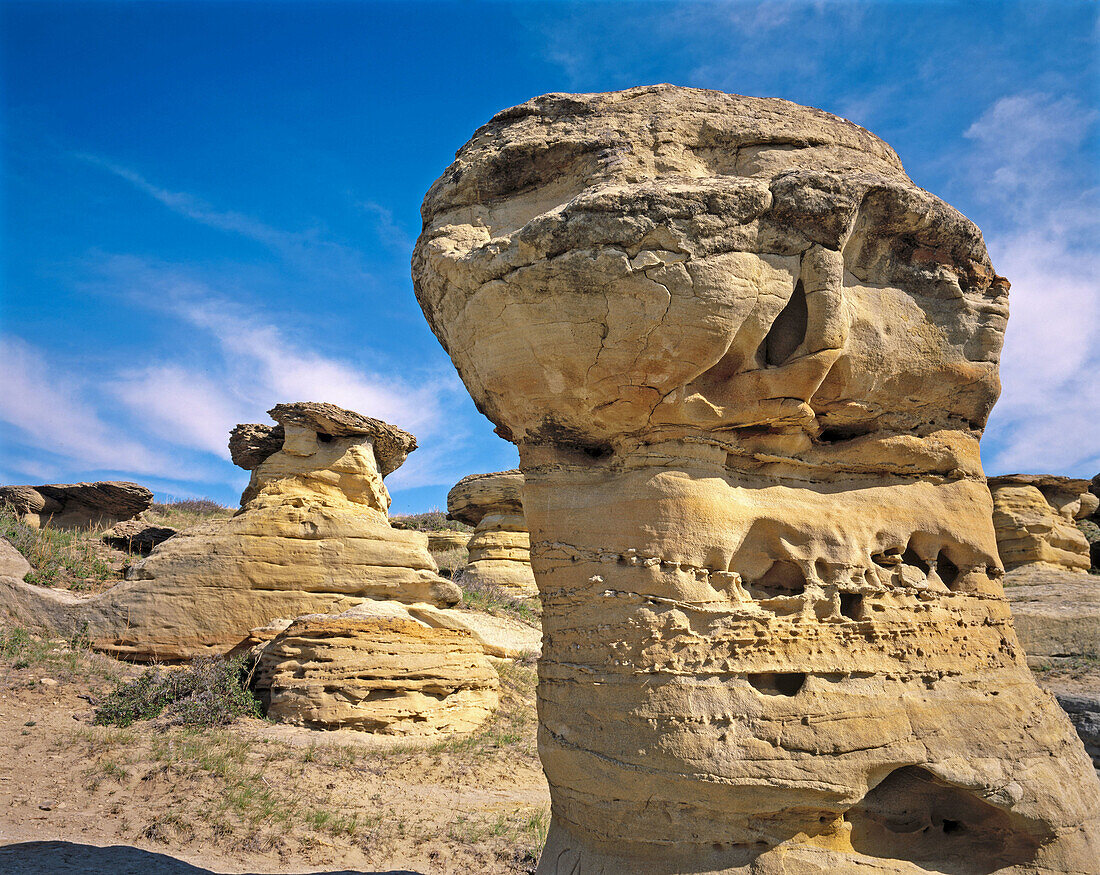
(135, 536)
(379, 674)
(448, 539)
(747, 363)
(1035, 517)
(1056, 612)
(12, 562)
(313, 537)
(77, 505)
(500, 548)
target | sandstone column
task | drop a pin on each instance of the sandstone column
(747, 363)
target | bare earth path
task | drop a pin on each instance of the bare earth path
(254, 796)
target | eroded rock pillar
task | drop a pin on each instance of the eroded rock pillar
(747, 363)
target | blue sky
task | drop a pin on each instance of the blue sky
(208, 208)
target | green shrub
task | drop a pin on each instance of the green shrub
(206, 693)
(56, 555)
(185, 513)
(434, 520)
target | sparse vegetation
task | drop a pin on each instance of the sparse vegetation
(434, 520)
(208, 692)
(451, 562)
(57, 556)
(480, 596)
(185, 512)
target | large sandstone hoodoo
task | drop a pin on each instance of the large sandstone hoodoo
(312, 536)
(747, 363)
(500, 549)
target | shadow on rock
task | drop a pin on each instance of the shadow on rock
(40, 858)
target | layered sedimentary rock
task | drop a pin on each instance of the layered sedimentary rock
(1035, 517)
(747, 363)
(1056, 612)
(311, 537)
(500, 548)
(135, 536)
(382, 674)
(77, 505)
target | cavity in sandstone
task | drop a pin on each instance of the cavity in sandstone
(747, 363)
(500, 548)
(312, 536)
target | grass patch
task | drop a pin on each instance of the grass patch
(451, 562)
(481, 596)
(55, 555)
(208, 692)
(185, 512)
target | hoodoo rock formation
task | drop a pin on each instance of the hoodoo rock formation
(1035, 517)
(77, 505)
(747, 363)
(312, 536)
(500, 549)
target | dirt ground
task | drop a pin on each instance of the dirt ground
(253, 796)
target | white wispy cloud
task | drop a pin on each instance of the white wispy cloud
(54, 412)
(1030, 163)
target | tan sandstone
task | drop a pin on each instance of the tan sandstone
(500, 548)
(1035, 518)
(312, 536)
(747, 363)
(383, 675)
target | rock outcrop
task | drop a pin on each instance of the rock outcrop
(1035, 517)
(77, 505)
(1056, 612)
(747, 363)
(311, 537)
(500, 548)
(135, 536)
(381, 674)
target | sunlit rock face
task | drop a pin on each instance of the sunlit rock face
(500, 548)
(312, 537)
(747, 363)
(1035, 517)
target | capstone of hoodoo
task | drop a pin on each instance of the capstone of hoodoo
(500, 548)
(312, 536)
(377, 672)
(1035, 517)
(77, 505)
(747, 363)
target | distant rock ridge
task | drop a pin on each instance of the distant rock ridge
(77, 505)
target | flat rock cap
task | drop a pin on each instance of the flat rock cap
(114, 497)
(392, 445)
(478, 495)
(1041, 482)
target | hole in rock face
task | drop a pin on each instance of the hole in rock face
(835, 434)
(947, 570)
(784, 578)
(788, 330)
(910, 557)
(774, 683)
(914, 816)
(324, 438)
(851, 605)
(597, 452)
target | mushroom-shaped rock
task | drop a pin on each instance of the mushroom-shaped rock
(380, 674)
(77, 505)
(747, 362)
(500, 548)
(312, 537)
(1034, 516)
